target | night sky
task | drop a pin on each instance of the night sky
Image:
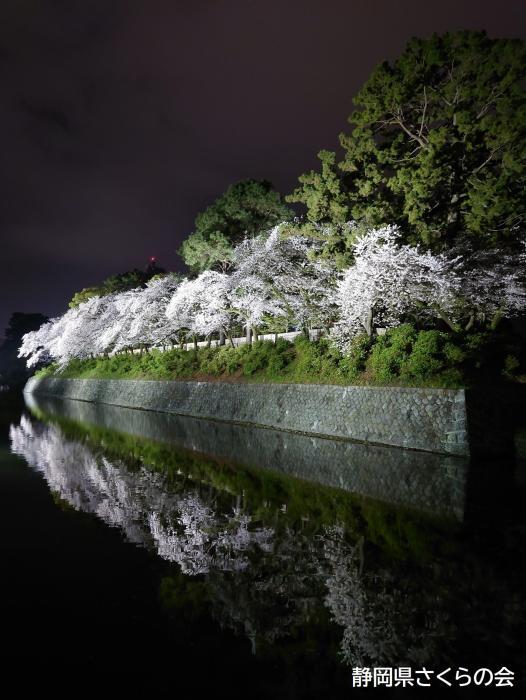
(121, 119)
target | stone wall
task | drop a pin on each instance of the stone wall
(433, 420)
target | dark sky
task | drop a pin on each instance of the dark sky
(121, 119)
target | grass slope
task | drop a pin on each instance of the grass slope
(403, 356)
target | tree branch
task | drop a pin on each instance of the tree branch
(420, 131)
(397, 121)
(490, 157)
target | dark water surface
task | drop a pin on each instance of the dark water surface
(143, 551)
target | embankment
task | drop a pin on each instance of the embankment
(434, 420)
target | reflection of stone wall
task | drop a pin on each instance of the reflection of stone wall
(429, 482)
(424, 419)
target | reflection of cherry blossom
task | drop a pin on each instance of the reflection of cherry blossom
(188, 545)
(185, 528)
(381, 624)
(265, 583)
(368, 637)
(202, 540)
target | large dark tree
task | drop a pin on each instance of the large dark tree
(437, 145)
(13, 371)
(244, 210)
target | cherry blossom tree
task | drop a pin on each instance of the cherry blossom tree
(281, 279)
(82, 330)
(118, 333)
(145, 308)
(60, 337)
(201, 306)
(389, 281)
(214, 314)
(35, 344)
(89, 329)
(493, 286)
(275, 276)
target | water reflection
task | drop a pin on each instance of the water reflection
(183, 528)
(429, 482)
(276, 560)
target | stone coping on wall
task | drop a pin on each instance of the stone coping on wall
(428, 419)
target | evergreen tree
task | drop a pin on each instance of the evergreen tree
(118, 283)
(243, 211)
(437, 146)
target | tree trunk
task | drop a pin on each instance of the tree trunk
(454, 327)
(221, 337)
(368, 323)
(255, 333)
(195, 342)
(249, 335)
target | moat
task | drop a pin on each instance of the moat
(166, 553)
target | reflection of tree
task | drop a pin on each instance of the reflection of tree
(385, 621)
(184, 528)
(267, 583)
(87, 482)
(274, 598)
(201, 540)
(367, 636)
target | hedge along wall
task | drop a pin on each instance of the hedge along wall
(425, 419)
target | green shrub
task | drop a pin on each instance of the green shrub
(451, 378)
(308, 356)
(255, 359)
(476, 347)
(453, 353)
(426, 358)
(354, 362)
(217, 361)
(316, 360)
(280, 357)
(265, 355)
(390, 352)
(493, 354)
(209, 361)
(403, 355)
(231, 360)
